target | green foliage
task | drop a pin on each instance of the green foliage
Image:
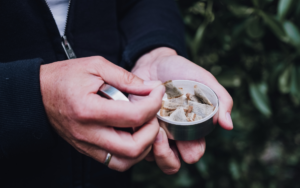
(253, 49)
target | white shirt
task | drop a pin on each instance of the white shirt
(59, 9)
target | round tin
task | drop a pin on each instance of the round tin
(190, 130)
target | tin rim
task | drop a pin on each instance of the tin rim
(194, 122)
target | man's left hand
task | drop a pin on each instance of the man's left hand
(164, 64)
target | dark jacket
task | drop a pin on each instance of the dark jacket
(31, 153)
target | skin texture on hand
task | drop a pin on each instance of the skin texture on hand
(164, 64)
(86, 120)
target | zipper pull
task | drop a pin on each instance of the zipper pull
(67, 47)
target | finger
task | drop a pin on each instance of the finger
(165, 157)
(123, 164)
(116, 163)
(225, 120)
(191, 151)
(122, 79)
(120, 142)
(225, 105)
(123, 113)
(134, 98)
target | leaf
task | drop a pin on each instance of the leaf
(229, 79)
(258, 93)
(283, 8)
(292, 32)
(260, 3)
(295, 82)
(274, 25)
(240, 11)
(275, 74)
(184, 179)
(238, 29)
(297, 12)
(210, 17)
(198, 8)
(256, 3)
(202, 167)
(284, 80)
(197, 40)
(234, 169)
(254, 28)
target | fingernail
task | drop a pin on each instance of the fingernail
(159, 136)
(228, 118)
(158, 90)
(163, 89)
(152, 83)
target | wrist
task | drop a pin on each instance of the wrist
(46, 79)
(148, 59)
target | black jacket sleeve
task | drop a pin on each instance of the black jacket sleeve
(24, 126)
(148, 24)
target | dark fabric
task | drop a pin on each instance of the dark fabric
(31, 153)
(148, 26)
(19, 86)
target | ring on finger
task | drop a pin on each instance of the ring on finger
(107, 159)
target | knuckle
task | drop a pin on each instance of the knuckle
(129, 78)
(135, 153)
(79, 137)
(123, 167)
(139, 119)
(191, 159)
(98, 59)
(136, 120)
(80, 113)
(161, 154)
(81, 150)
(194, 159)
(107, 144)
(171, 171)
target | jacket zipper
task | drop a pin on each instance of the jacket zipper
(67, 47)
(64, 41)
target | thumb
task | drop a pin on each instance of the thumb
(225, 106)
(124, 80)
(166, 157)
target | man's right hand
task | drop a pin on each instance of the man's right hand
(86, 120)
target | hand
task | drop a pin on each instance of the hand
(86, 120)
(164, 64)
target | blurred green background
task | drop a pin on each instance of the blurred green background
(253, 48)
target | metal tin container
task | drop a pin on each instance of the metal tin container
(190, 130)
